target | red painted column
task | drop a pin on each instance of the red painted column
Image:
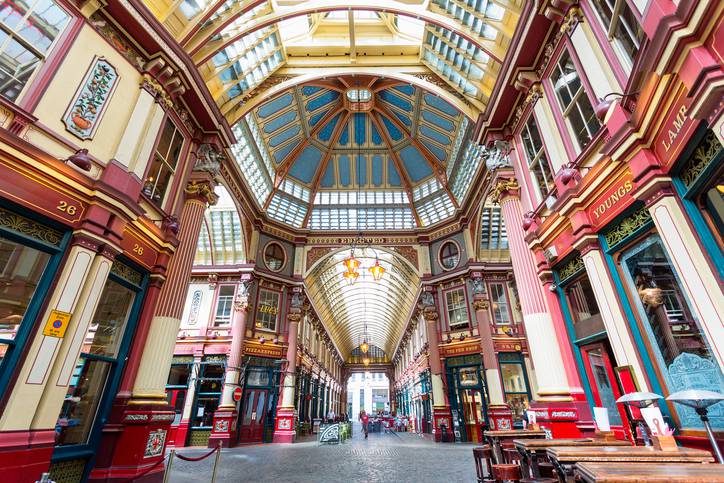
(440, 406)
(225, 417)
(284, 427)
(140, 421)
(500, 417)
(548, 342)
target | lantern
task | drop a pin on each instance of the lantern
(377, 271)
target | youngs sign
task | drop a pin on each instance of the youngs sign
(612, 201)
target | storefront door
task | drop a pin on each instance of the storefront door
(253, 415)
(604, 386)
(472, 402)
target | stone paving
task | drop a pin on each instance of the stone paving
(398, 458)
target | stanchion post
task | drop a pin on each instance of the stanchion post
(168, 467)
(216, 462)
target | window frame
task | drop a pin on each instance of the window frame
(31, 93)
(621, 63)
(570, 141)
(540, 196)
(520, 361)
(278, 314)
(508, 305)
(179, 168)
(217, 297)
(264, 257)
(465, 305)
(440, 256)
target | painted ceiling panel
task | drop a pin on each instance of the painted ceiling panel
(393, 176)
(306, 164)
(415, 163)
(325, 134)
(280, 121)
(275, 105)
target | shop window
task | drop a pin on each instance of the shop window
(499, 304)
(538, 165)
(163, 165)
(581, 300)
(457, 310)
(99, 355)
(274, 257)
(267, 310)
(178, 384)
(573, 100)
(677, 342)
(209, 384)
(515, 383)
(449, 255)
(621, 25)
(224, 303)
(493, 234)
(21, 269)
(28, 31)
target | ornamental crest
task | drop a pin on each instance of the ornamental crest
(155, 443)
(91, 99)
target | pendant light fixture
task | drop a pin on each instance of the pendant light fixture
(364, 346)
(377, 270)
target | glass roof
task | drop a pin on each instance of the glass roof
(381, 306)
(221, 240)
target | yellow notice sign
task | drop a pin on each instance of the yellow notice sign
(56, 324)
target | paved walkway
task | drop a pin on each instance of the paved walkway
(398, 458)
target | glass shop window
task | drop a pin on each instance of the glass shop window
(457, 309)
(573, 100)
(267, 310)
(621, 25)
(538, 165)
(499, 304)
(28, 31)
(581, 300)
(21, 268)
(98, 357)
(678, 344)
(177, 386)
(163, 165)
(515, 385)
(224, 304)
(208, 392)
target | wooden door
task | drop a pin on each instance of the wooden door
(253, 415)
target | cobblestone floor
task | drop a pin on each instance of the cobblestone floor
(397, 458)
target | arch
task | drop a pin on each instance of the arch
(242, 109)
(390, 6)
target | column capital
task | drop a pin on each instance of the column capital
(505, 189)
(202, 190)
(480, 303)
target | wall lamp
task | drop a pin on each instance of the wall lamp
(601, 109)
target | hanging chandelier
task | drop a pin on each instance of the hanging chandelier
(377, 270)
(364, 346)
(366, 361)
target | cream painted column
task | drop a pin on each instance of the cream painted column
(431, 317)
(695, 274)
(150, 383)
(81, 275)
(289, 379)
(541, 333)
(191, 391)
(481, 305)
(136, 145)
(236, 353)
(613, 317)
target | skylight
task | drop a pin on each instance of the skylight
(359, 95)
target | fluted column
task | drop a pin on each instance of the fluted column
(285, 431)
(236, 352)
(543, 340)
(440, 405)
(150, 384)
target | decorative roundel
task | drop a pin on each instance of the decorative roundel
(274, 256)
(449, 255)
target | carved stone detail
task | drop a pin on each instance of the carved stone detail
(203, 191)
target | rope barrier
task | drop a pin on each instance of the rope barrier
(147, 470)
(199, 458)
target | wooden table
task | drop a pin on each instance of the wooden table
(533, 450)
(498, 438)
(648, 472)
(565, 457)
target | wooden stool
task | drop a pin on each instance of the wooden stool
(503, 473)
(483, 456)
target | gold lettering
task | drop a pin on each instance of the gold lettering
(612, 199)
(65, 207)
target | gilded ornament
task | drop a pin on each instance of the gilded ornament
(627, 226)
(503, 187)
(27, 227)
(202, 190)
(703, 155)
(125, 272)
(571, 268)
(481, 304)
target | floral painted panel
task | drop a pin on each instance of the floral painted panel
(85, 111)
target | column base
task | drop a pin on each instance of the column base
(25, 455)
(284, 430)
(441, 425)
(562, 417)
(133, 443)
(500, 417)
(224, 428)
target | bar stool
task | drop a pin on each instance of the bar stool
(483, 456)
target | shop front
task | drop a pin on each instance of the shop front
(259, 400)
(468, 397)
(516, 388)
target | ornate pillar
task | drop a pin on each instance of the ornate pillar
(548, 341)
(146, 417)
(284, 429)
(499, 415)
(440, 405)
(225, 417)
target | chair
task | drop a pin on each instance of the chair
(483, 456)
(503, 473)
(511, 456)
